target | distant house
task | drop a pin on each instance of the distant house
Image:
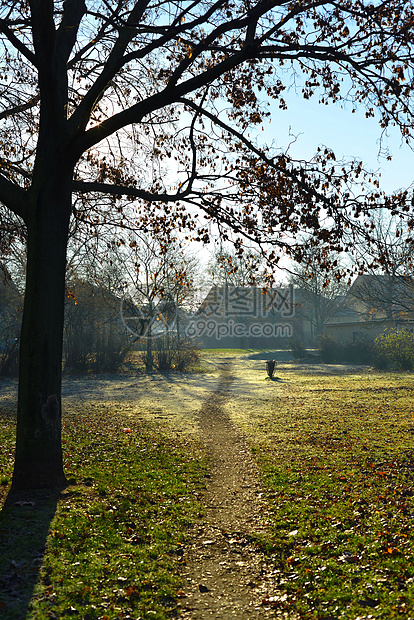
(93, 327)
(251, 317)
(246, 317)
(373, 305)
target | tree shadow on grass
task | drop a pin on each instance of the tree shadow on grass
(25, 520)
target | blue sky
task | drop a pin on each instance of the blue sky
(349, 135)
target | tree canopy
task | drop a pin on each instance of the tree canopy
(156, 101)
(147, 114)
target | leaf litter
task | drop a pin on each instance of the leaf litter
(330, 536)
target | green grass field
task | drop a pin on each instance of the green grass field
(337, 459)
(113, 544)
(336, 456)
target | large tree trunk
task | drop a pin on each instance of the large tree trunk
(38, 459)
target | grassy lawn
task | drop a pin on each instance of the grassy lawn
(336, 455)
(114, 544)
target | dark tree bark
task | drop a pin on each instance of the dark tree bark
(38, 461)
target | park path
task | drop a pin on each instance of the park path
(225, 575)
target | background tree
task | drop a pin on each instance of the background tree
(102, 98)
(10, 323)
(319, 294)
(94, 336)
(159, 284)
(386, 262)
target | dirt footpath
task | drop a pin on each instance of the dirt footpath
(225, 574)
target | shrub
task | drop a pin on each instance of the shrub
(98, 348)
(164, 353)
(394, 349)
(359, 352)
(77, 347)
(297, 349)
(111, 358)
(171, 353)
(187, 355)
(331, 350)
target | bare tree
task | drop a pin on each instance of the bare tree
(158, 282)
(386, 265)
(319, 294)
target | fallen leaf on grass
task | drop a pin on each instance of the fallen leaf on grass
(292, 561)
(393, 550)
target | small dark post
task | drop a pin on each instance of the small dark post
(270, 365)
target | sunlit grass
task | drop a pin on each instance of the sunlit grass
(208, 353)
(336, 455)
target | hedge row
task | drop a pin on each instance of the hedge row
(392, 350)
